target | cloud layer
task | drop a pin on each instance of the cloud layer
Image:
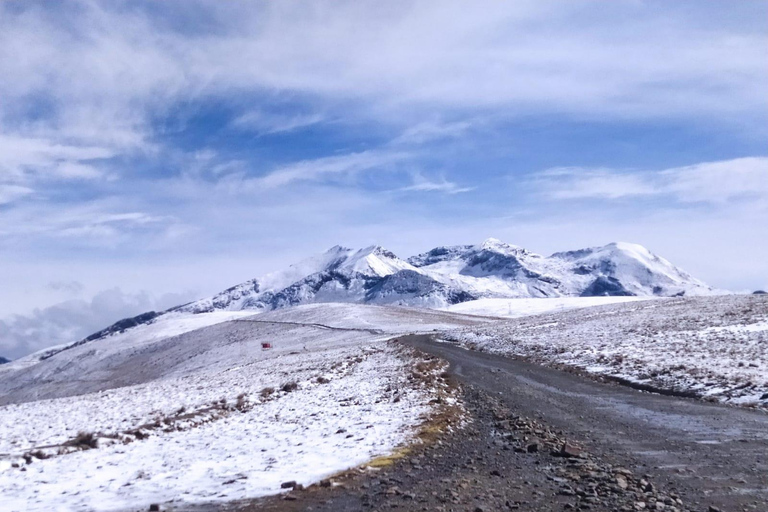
(74, 319)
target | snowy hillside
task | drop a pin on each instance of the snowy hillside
(715, 347)
(191, 408)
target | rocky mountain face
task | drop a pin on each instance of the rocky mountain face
(4, 360)
(448, 275)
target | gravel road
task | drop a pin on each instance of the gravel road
(712, 455)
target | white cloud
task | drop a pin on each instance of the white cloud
(74, 319)
(107, 71)
(719, 182)
(710, 182)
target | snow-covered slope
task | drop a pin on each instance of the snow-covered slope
(181, 343)
(192, 409)
(516, 308)
(629, 269)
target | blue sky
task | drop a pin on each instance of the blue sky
(151, 153)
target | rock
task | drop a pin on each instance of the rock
(326, 483)
(713, 508)
(532, 448)
(289, 497)
(288, 485)
(621, 482)
(154, 507)
(569, 450)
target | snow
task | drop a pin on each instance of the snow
(295, 436)
(636, 268)
(716, 347)
(515, 308)
(197, 395)
(375, 261)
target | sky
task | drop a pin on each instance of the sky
(156, 152)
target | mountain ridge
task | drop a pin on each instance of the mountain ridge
(450, 274)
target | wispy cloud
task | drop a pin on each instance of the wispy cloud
(429, 131)
(330, 167)
(89, 223)
(712, 182)
(10, 193)
(269, 123)
(582, 183)
(25, 158)
(422, 184)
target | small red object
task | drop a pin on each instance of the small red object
(266, 345)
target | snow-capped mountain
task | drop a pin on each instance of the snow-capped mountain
(449, 275)
(4, 360)
(445, 276)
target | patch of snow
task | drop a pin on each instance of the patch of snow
(515, 308)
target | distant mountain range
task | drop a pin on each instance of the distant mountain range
(4, 360)
(453, 274)
(439, 278)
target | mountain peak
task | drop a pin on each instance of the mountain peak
(336, 249)
(496, 245)
(375, 260)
